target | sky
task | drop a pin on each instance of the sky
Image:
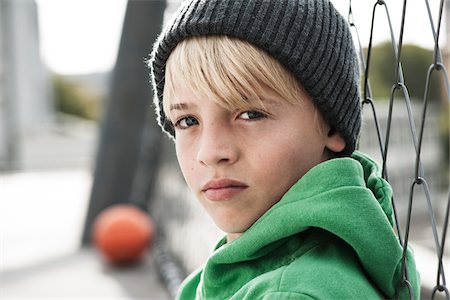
(82, 36)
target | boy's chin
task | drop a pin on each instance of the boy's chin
(234, 224)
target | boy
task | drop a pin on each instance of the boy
(262, 100)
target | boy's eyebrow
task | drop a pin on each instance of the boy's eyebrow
(179, 106)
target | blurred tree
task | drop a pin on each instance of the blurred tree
(73, 99)
(415, 64)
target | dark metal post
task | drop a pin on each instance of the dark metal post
(127, 110)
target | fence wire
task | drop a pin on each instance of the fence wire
(179, 218)
(399, 86)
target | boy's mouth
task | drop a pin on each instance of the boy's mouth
(222, 189)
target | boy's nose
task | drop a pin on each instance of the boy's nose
(217, 146)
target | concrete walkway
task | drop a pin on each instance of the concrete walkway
(83, 275)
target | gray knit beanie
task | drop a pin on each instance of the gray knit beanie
(309, 37)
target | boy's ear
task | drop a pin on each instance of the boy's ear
(334, 141)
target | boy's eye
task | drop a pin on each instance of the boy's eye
(186, 122)
(252, 115)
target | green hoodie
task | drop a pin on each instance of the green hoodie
(331, 236)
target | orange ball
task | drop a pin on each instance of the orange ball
(122, 233)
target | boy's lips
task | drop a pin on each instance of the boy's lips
(222, 189)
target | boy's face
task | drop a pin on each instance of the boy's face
(240, 163)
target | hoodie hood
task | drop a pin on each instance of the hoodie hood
(346, 197)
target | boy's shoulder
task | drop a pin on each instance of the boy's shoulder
(314, 264)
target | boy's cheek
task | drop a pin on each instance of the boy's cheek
(187, 166)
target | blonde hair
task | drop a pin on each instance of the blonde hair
(232, 72)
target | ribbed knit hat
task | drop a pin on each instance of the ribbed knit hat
(309, 37)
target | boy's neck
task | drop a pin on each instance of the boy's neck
(232, 236)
